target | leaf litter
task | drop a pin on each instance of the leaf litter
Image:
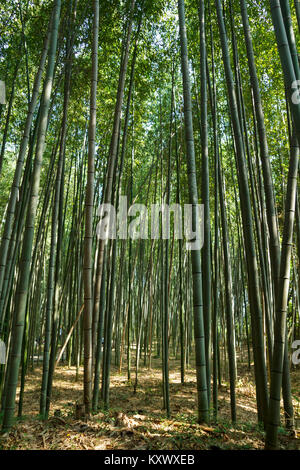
(137, 421)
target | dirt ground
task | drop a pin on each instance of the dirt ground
(136, 421)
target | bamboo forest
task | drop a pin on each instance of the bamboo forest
(149, 226)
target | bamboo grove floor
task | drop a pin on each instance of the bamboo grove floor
(137, 421)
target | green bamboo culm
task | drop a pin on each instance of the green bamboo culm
(286, 379)
(25, 261)
(297, 8)
(89, 202)
(252, 268)
(290, 72)
(282, 301)
(203, 412)
(286, 63)
(229, 299)
(206, 249)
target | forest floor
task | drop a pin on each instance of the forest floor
(136, 421)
